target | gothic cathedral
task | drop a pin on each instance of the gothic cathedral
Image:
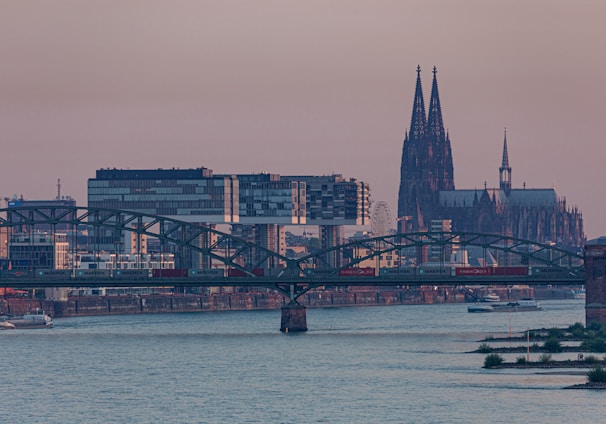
(427, 190)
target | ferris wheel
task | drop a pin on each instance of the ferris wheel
(380, 224)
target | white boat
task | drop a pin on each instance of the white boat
(492, 297)
(5, 325)
(578, 293)
(34, 319)
(480, 307)
(522, 305)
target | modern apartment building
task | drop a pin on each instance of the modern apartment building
(192, 195)
(257, 206)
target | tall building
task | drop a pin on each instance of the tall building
(427, 190)
(267, 203)
(257, 206)
(333, 201)
(30, 251)
(193, 195)
(42, 206)
(427, 165)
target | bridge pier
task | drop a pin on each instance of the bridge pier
(595, 284)
(294, 318)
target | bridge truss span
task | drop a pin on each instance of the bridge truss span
(399, 259)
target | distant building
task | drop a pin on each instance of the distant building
(31, 251)
(193, 195)
(257, 206)
(43, 206)
(267, 203)
(332, 202)
(427, 190)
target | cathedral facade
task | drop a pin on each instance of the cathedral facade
(427, 190)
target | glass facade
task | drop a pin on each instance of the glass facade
(193, 195)
(334, 200)
(29, 251)
(266, 199)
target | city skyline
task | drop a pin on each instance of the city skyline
(308, 89)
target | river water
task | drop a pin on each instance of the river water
(395, 364)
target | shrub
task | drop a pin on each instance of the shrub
(484, 348)
(552, 345)
(535, 347)
(493, 360)
(521, 360)
(577, 329)
(598, 345)
(545, 358)
(555, 332)
(596, 375)
(594, 345)
(591, 359)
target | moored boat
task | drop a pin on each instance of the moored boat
(478, 307)
(522, 305)
(491, 297)
(5, 325)
(34, 319)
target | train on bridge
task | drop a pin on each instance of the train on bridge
(429, 272)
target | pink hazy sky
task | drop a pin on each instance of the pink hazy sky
(310, 87)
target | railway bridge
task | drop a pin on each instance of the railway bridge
(225, 260)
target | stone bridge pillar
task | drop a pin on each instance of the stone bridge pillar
(294, 318)
(595, 284)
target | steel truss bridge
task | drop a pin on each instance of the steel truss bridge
(343, 265)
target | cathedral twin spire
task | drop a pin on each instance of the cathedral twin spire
(418, 121)
(421, 124)
(434, 120)
(426, 154)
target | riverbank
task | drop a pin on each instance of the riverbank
(232, 300)
(566, 365)
(257, 300)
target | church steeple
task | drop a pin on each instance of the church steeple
(439, 140)
(505, 169)
(418, 122)
(434, 120)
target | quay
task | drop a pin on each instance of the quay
(261, 300)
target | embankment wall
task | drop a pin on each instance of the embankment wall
(108, 305)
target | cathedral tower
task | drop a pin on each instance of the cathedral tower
(426, 162)
(439, 141)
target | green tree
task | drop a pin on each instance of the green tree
(493, 360)
(597, 344)
(577, 329)
(484, 348)
(545, 358)
(596, 375)
(552, 345)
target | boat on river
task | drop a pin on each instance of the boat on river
(578, 293)
(491, 297)
(33, 319)
(522, 305)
